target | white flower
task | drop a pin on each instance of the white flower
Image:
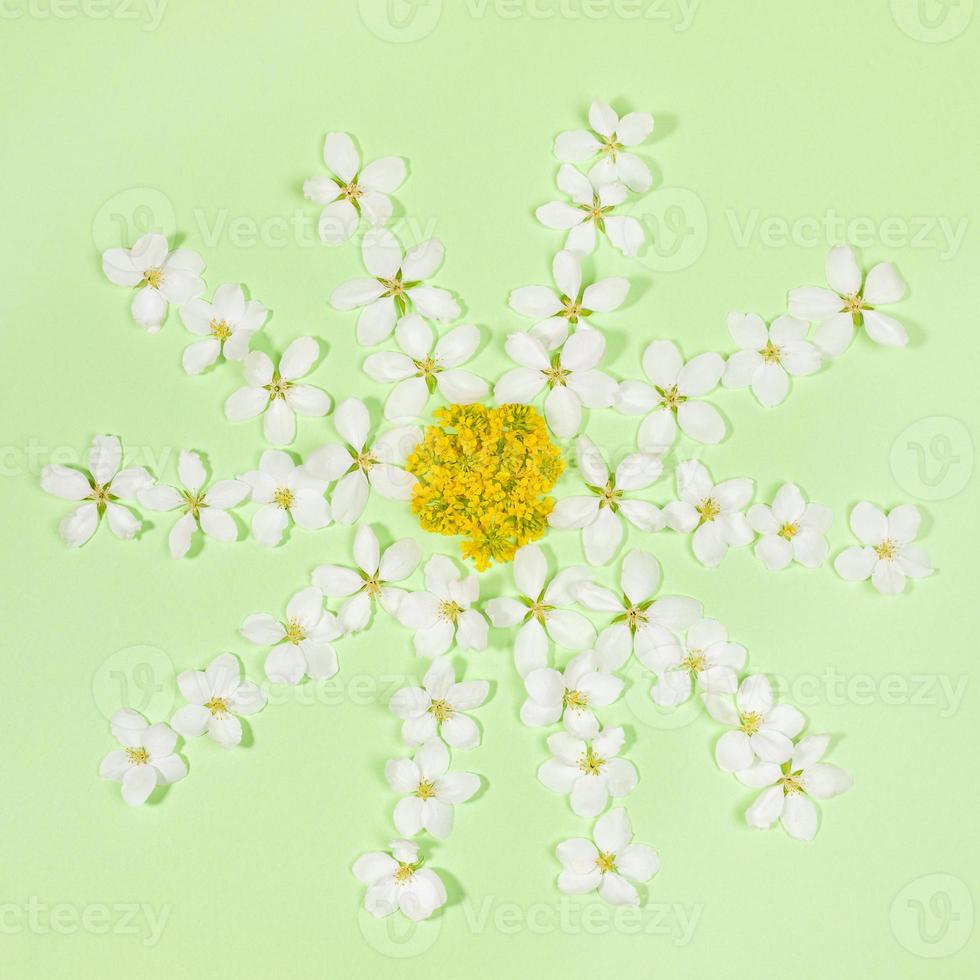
(760, 729)
(599, 515)
(302, 644)
(398, 881)
(360, 465)
(160, 277)
(888, 556)
(791, 530)
(101, 489)
(431, 790)
(444, 610)
(437, 708)
(228, 322)
(147, 759)
(712, 511)
(570, 376)
(787, 798)
(706, 657)
(371, 582)
(647, 625)
(673, 398)
(591, 213)
(538, 610)
(569, 695)
(590, 772)
(215, 697)
(847, 305)
(285, 490)
(396, 285)
(421, 369)
(350, 191)
(201, 508)
(608, 863)
(768, 356)
(275, 391)
(610, 134)
(556, 310)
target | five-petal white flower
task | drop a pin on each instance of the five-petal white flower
(610, 134)
(202, 508)
(398, 881)
(275, 391)
(284, 489)
(105, 484)
(228, 322)
(791, 530)
(888, 556)
(302, 645)
(768, 355)
(147, 759)
(160, 276)
(422, 369)
(430, 790)
(673, 398)
(395, 286)
(348, 192)
(437, 708)
(215, 698)
(609, 864)
(847, 304)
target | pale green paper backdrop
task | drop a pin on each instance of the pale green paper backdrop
(782, 128)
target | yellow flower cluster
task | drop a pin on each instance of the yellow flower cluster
(485, 473)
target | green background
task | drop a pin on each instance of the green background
(206, 125)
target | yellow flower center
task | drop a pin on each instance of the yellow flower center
(708, 510)
(441, 710)
(220, 329)
(589, 763)
(571, 309)
(770, 353)
(152, 277)
(426, 789)
(217, 706)
(394, 288)
(557, 375)
(855, 304)
(364, 460)
(605, 862)
(294, 632)
(427, 367)
(576, 700)
(101, 493)
(635, 617)
(138, 756)
(751, 722)
(283, 498)
(670, 398)
(694, 662)
(277, 387)
(449, 610)
(887, 550)
(351, 192)
(403, 873)
(610, 146)
(193, 502)
(792, 782)
(539, 610)
(789, 530)
(609, 496)
(372, 585)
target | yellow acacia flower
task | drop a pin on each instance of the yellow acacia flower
(485, 473)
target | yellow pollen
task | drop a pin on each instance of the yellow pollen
(101, 493)
(854, 304)
(605, 862)
(590, 764)
(751, 722)
(571, 310)
(708, 510)
(220, 329)
(635, 618)
(770, 353)
(887, 550)
(694, 662)
(539, 611)
(372, 585)
(441, 710)
(364, 460)
(138, 756)
(277, 388)
(575, 700)
(427, 367)
(610, 146)
(152, 277)
(351, 192)
(609, 496)
(403, 873)
(449, 610)
(670, 398)
(294, 632)
(789, 530)
(283, 498)
(193, 502)
(217, 706)
(393, 287)
(426, 789)
(792, 782)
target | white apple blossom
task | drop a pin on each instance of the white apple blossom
(848, 304)
(791, 530)
(569, 695)
(609, 864)
(790, 787)
(571, 376)
(302, 645)
(444, 611)
(642, 623)
(215, 698)
(591, 214)
(161, 277)
(768, 355)
(673, 398)
(439, 706)
(887, 555)
(276, 392)
(204, 509)
(228, 323)
(422, 369)
(760, 728)
(555, 310)
(350, 191)
(600, 514)
(101, 488)
(147, 758)
(359, 465)
(707, 657)
(398, 881)
(539, 610)
(588, 771)
(429, 790)
(395, 286)
(371, 582)
(712, 511)
(285, 490)
(608, 137)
